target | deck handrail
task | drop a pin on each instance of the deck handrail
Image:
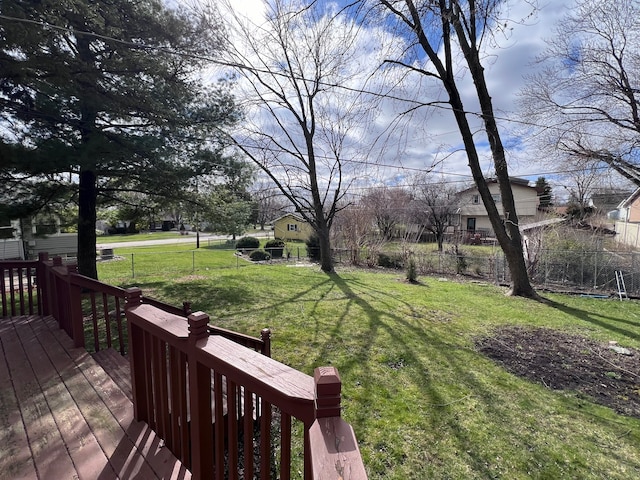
(229, 389)
(202, 388)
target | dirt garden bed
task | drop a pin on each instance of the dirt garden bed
(562, 361)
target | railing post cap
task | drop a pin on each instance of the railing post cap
(198, 325)
(327, 380)
(328, 389)
(132, 296)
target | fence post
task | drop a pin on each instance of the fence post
(202, 458)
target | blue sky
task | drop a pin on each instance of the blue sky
(432, 135)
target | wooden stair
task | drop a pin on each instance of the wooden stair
(117, 367)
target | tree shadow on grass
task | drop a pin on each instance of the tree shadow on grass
(620, 326)
(438, 404)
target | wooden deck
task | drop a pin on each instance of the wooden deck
(62, 417)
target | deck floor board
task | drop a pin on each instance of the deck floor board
(64, 417)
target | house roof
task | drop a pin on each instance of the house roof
(292, 215)
(630, 199)
(542, 223)
(522, 182)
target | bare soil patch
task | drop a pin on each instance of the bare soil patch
(563, 361)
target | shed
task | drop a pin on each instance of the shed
(291, 227)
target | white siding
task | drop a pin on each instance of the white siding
(11, 249)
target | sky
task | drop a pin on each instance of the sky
(433, 136)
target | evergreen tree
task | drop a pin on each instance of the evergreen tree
(544, 193)
(95, 103)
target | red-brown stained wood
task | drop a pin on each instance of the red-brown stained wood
(334, 451)
(15, 456)
(293, 391)
(69, 401)
(45, 440)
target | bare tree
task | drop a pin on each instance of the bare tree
(354, 228)
(388, 206)
(580, 184)
(269, 203)
(304, 117)
(440, 30)
(436, 201)
(586, 97)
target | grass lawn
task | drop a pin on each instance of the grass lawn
(424, 403)
(137, 237)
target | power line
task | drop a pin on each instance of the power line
(239, 66)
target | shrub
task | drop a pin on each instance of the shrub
(412, 271)
(275, 247)
(248, 243)
(259, 256)
(313, 247)
(390, 261)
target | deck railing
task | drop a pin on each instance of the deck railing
(216, 398)
(19, 286)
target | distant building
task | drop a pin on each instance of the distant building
(291, 227)
(474, 217)
(629, 209)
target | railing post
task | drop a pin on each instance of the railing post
(57, 298)
(202, 458)
(75, 308)
(265, 335)
(333, 451)
(133, 298)
(43, 287)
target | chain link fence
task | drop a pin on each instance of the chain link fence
(562, 270)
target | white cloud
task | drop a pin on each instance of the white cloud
(428, 136)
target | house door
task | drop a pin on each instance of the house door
(471, 224)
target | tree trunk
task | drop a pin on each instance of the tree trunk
(87, 217)
(507, 230)
(88, 184)
(326, 260)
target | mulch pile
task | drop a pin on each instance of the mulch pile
(562, 361)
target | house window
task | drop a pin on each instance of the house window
(476, 199)
(497, 198)
(292, 227)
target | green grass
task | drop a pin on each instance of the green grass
(137, 237)
(422, 401)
